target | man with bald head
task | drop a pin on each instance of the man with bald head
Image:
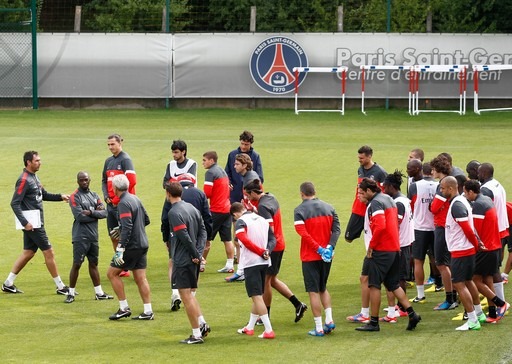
(462, 244)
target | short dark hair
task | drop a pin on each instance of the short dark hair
(472, 185)
(308, 189)
(419, 153)
(117, 137)
(247, 136)
(211, 154)
(236, 207)
(369, 184)
(253, 186)
(29, 156)
(174, 189)
(180, 145)
(365, 149)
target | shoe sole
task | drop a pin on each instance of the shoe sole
(176, 305)
(139, 318)
(115, 318)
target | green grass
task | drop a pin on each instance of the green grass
(322, 147)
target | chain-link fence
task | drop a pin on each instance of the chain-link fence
(16, 66)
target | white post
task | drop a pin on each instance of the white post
(78, 18)
(252, 24)
(340, 18)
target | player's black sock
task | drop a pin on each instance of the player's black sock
(498, 301)
(400, 306)
(295, 301)
(410, 311)
(374, 320)
(454, 296)
(492, 311)
(438, 281)
(449, 297)
(268, 311)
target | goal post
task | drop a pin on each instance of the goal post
(18, 57)
(476, 84)
(342, 70)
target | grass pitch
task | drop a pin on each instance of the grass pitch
(322, 147)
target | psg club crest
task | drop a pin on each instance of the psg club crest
(272, 63)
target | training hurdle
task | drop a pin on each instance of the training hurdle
(486, 68)
(378, 67)
(340, 69)
(461, 70)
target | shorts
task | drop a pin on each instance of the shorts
(405, 262)
(355, 227)
(222, 225)
(255, 279)
(463, 268)
(315, 275)
(275, 259)
(423, 243)
(36, 239)
(133, 259)
(508, 240)
(185, 277)
(441, 254)
(82, 249)
(364, 270)
(384, 267)
(112, 217)
(487, 263)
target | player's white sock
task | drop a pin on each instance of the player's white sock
(98, 290)
(58, 282)
(175, 292)
(123, 304)
(365, 311)
(196, 333)
(472, 316)
(201, 319)
(328, 315)
(421, 291)
(391, 311)
(498, 288)
(71, 291)
(10, 279)
(478, 309)
(147, 308)
(252, 321)
(318, 323)
(266, 322)
(229, 263)
(193, 293)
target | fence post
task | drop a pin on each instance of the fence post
(252, 25)
(340, 18)
(78, 18)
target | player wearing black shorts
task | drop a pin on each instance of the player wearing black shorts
(268, 208)
(131, 250)
(383, 253)
(187, 243)
(87, 209)
(256, 241)
(28, 198)
(319, 228)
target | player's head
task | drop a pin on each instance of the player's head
(448, 156)
(449, 187)
(307, 189)
(365, 154)
(253, 190)
(174, 189)
(366, 189)
(236, 210)
(246, 140)
(485, 172)
(414, 168)
(416, 154)
(209, 159)
(83, 180)
(29, 157)
(471, 189)
(472, 169)
(243, 163)
(179, 150)
(120, 183)
(441, 166)
(185, 179)
(114, 142)
(461, 179)
(427, 169)
(392, 182)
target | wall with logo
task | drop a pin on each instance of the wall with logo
(260, 65)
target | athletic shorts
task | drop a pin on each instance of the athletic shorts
(222, 225)
(133, 259)
(366, 265)
(463, 268)
(275, 259)
(315, 275)
(441, 254)
(508, 240)
(487, 263)
(185, 277)
(384, 267)
(255, 279)
(82, 249)
(36, 239)
(355, 227)
(405, 262)
(423, 242)
(112, 217)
